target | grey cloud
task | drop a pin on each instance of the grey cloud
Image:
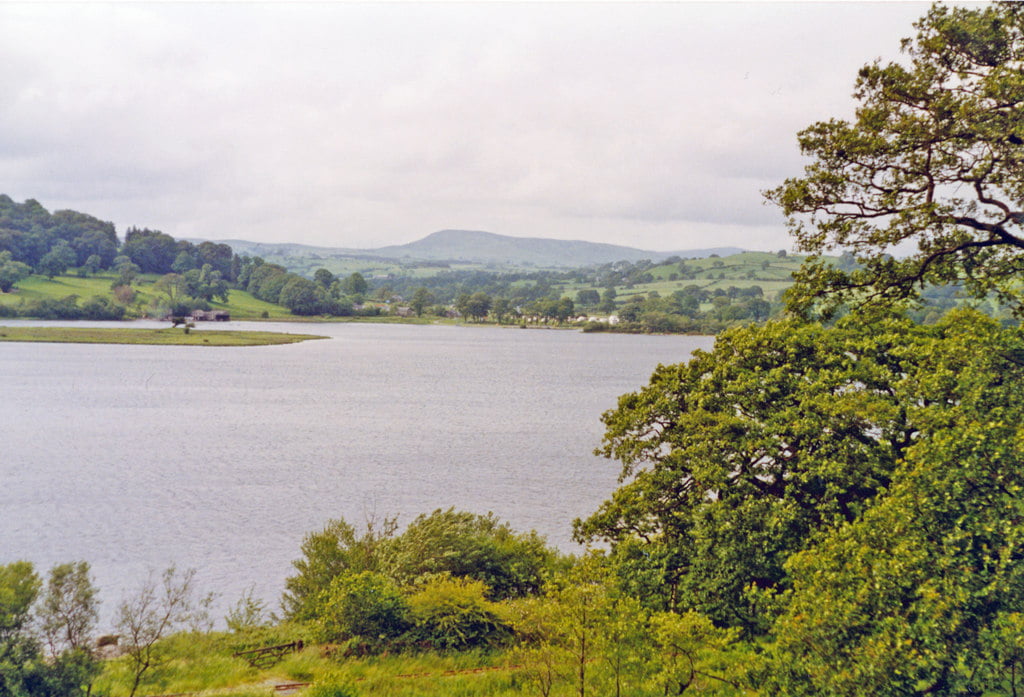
(365, 124)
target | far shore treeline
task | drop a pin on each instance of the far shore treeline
(70, 265)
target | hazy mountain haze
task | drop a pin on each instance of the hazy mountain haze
(487, 248)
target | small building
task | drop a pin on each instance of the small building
(211, 316)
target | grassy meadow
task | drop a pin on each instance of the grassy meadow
(163, 337)
(241, 304)
(765, 269)
(204, 664)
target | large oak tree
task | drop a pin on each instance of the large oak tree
(926, 183)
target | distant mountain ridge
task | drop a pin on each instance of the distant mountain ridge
(487, 248)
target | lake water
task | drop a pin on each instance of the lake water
(136, 457)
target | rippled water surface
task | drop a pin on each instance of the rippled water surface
(136, 457)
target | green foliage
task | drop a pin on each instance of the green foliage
(69, 609)
(58, 260)
(332, 552)
(11, 271)
(19, 586)
(67, 614)
(151, 251)
(473, 306)
(468, 545)
(365, 606)
(933, 162)
(323, 278)
(420, 299)
(922, 593)
(156, 610)
(248, 613)
(453, 613)
(302, 296)
(355, 284)
(735, 460)
(697, 654)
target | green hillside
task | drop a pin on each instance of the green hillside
(771, 272)
(36, 289)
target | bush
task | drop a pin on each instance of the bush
(473, 546)
(48, 308)
(100, 308)
(452, 613)
(365, 605)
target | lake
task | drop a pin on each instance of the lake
(134, 458)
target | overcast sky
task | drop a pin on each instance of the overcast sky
(365, 124)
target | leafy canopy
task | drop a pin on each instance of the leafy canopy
(931, 169)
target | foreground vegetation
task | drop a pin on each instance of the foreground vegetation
(175, 337)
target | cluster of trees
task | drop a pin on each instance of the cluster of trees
(435, 585)
(51, 244)
(324, 295)
(681, 311)
(31, 234)
(34, 241)
(846, 496)
(48, 646)
(456, 580)
(157, 252)
(68, 307)
(518, 288)
(45, 631)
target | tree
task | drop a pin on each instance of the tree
(473, 306)
(208, 283)
(366, 605)
(923, 593)
(563, 630)
(608, 299)
(337, 549)
(70, 669)
(70, 608)
(219, 256)
(68, 613)
(151, 250)
(154, 612)
(323, 278)
(19, 587)
(58, 260)
(302, 296)
(585, 632)
(421, 297)
(355, 284)
(92, 264)
(173, 287)
(501, 309)
(698, 654)
(468, 545)
(588, 297)
(454, 614)
(737, 459)
(183, 262)
(127, 271)
(11, 272)
(249, 612)
(933, 164)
